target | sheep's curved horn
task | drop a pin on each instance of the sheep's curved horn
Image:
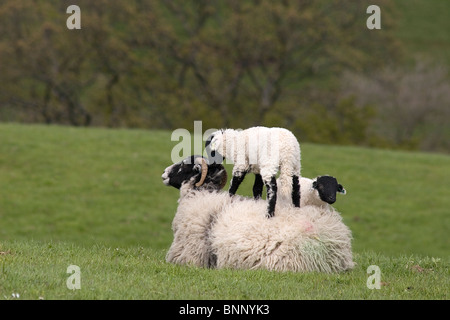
(204, 172)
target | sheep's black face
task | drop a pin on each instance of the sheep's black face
(328, 186)
(188, 170)
(180, 172)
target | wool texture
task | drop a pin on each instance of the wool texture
(302, 239)
(191, 227)
(262, 150)
(212, 229)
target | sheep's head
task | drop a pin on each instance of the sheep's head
(327, 187)
(215, 146)
(196, 171)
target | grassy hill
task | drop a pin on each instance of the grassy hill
(94, 198)
(424, 28)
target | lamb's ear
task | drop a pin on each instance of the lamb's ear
(341, 189)
(314, 184)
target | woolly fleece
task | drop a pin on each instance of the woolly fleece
(261, 150)
(212, 229)
(296, 239)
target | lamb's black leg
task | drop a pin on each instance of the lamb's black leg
(258, 186)
(271, 196)
(295, 191)
(238, 177)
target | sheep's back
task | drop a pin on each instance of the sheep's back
(295, 239)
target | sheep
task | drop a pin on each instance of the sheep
(262, 151)
(320, 191)
(214, 230)
(303, 239)
(197, 206)
(195, 172)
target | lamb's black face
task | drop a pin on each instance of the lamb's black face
(211, 154)
(186, 170)
(180, 172)
(208, 141)
(328, 186)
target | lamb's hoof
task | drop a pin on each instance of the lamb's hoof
(269, 215)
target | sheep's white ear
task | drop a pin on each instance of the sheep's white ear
(341, 189)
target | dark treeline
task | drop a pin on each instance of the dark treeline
(310, 66)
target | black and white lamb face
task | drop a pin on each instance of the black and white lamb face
(195, 169)
(327, 187)
(214, 146)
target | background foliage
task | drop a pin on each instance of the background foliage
(310, 66)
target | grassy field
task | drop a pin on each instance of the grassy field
(94, 198)
(424, 28)
(38, 271)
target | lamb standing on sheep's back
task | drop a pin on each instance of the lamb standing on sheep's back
(213, 230)
(262, 151)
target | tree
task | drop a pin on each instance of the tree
(43, 65)
(411, 103)
(165, 64)
(238, 57)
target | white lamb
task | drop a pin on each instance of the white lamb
(262, 151)
(214, 230)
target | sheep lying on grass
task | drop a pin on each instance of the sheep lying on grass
(214, 230)
(198, 206)
(306, 239)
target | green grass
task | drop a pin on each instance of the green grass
(39, 271)
(94, 198)
(424, 28)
